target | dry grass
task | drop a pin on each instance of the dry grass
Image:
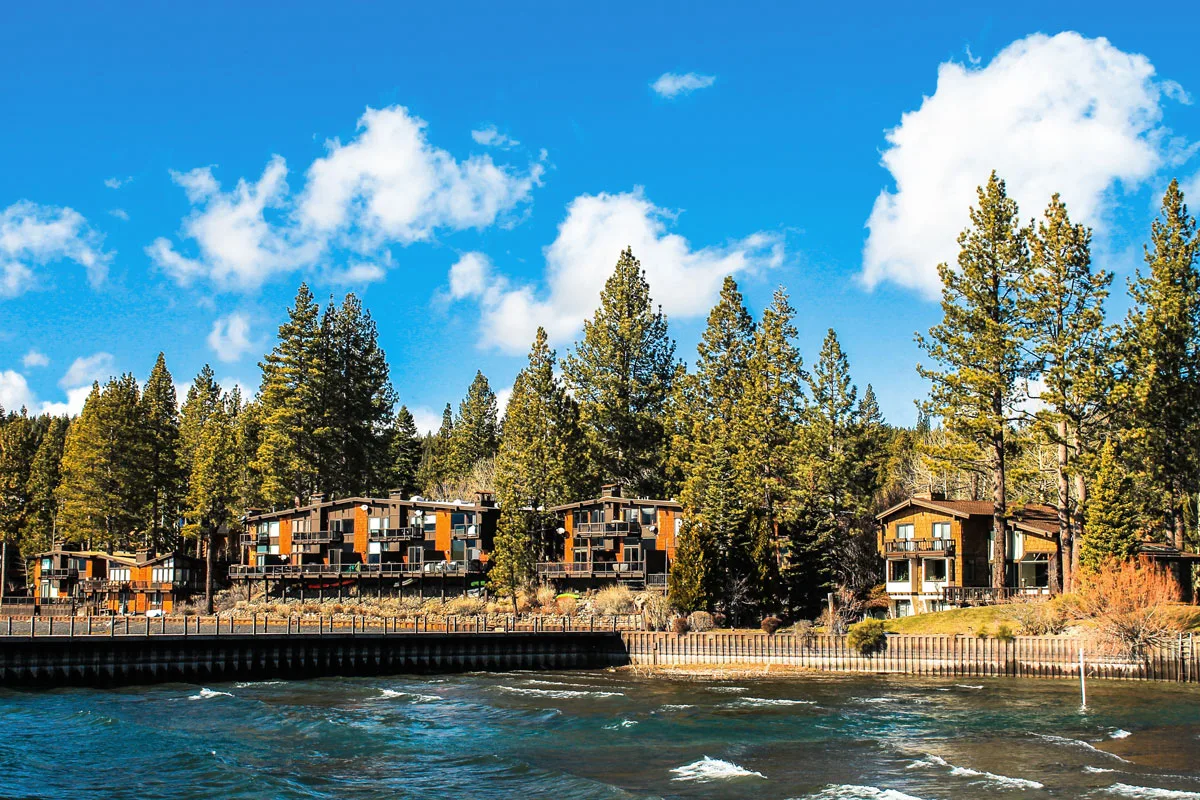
(964, 621)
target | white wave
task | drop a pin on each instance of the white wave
(1097, 770)
(1119, 734)
(728, 689)
(969, 685)
(674, 707)
(251, 684)
(850, 792)
(770, 701)
(877, 699)
(389, 694)
(1003, 780)
(625, 723)
(1063, 740)
(928, 761)
(1150, 792)
(712, 769)
(208, 694)
(559, 694)
(566, 685)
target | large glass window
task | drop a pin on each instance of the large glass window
(941, 530)
(904, 531)
(898, 570)
(935, 569)
(458, 549)
(649, 516)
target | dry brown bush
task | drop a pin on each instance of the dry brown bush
(566, 606)
(680, 625)
(701, 621)
(656, 612)
(1038, 617)
(613, 600)
(1129, 605)
(545, 596)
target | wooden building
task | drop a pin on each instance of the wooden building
(368, 544)
(118, 583)
(938, 553)
(613, 538)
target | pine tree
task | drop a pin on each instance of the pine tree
(160, 413)
(1111, 512)
(102, 498)
(404, 453)
(18, 446)
(513, 562)
(978, 347)
(288, 457)
(356, 401)
(249, 436)
(1161, 346)
(40, 529)
(621, 375)
(212, 480)
(204, 401)
(434, 473)
(476, 431)
(1070, 339)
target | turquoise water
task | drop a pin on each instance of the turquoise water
(604, 735)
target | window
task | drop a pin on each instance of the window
(898, 570)
(273, 528)
(631, 554)
(458, 550)
(415, 554)
(581, 557)
(903, 608)
(941, 530)
(904, 531)
(648, 515)
(377, 524)
(935, 569)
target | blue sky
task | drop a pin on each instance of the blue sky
(172, 172)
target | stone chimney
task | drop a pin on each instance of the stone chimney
(144, 554)
(610, 490)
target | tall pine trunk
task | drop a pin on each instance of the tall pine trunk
(208, 573)
(1080, 525)
(999, 511)
(1060, 566)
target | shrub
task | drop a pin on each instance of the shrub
(613, 600)
(545, 596)
(566, 606)
(700, 621)
(771, 624)
(867, 637)
(1004, 632)
(1048, 617)
(656, 612)
(719, 619)
(465, 606)
(804, 630)
(1129, 605)
(680, 625)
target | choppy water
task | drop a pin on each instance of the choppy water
(604, 735)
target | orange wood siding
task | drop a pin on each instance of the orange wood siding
(441, 538)
(922, 521)
(360, 531)
(664, 540)
(1035, 543)
(285, 537)
(568, 538)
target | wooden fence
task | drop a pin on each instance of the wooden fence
(937, 656)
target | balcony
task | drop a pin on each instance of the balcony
(920, 546)
(988, 595)
(464, 532)
(615, 528)
(351, 570)
(251, 539)
(59, 574)
(395, 534)
(92, 585)
(316, 537)
(601, 569)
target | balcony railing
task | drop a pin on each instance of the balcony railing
(250, 539)
(600, 569)
(316, 537)
(102, 585)
(919, 546)
(352, 570)
(989, 595)
(618, 527)
(395, 534)
(59, 574)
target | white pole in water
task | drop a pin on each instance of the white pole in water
(1082, 680)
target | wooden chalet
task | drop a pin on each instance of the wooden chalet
(613, 538)
(369, 543)
(938, 553)
(117, 583)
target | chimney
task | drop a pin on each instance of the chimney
(316, 498)
(929, 495)
(485, 500)
(610, 490)
(144, 554)
(397, 494)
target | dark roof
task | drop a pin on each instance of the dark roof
(955, 508)
(1035, 518)
(1162, 550)
(629, 501)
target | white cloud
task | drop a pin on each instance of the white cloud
(502, 398)
(1050, 114)
(120, 214)
(230, 337)
(35, 358)
(117, 183)
(491, 137)
(685, 281)
(15, 392)
(86, 370)
(427, 420)
(671, 84)
(387, 186)
(358, 274)
(76, 397)
(33, 235)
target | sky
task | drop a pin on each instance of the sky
(172, 172)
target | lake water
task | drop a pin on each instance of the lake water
(604, 735)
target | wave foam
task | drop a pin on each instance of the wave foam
(1150, 792)
(1119, 734)
(728, 689)
(1003, 780)
(847, 791)
(712, 769)
(558, 694)
(1097, 770)
(389, 694)
(771, 701)
(1063, 740)
(252, 684)
(625, 723)
(969, 685)
(208, 694)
